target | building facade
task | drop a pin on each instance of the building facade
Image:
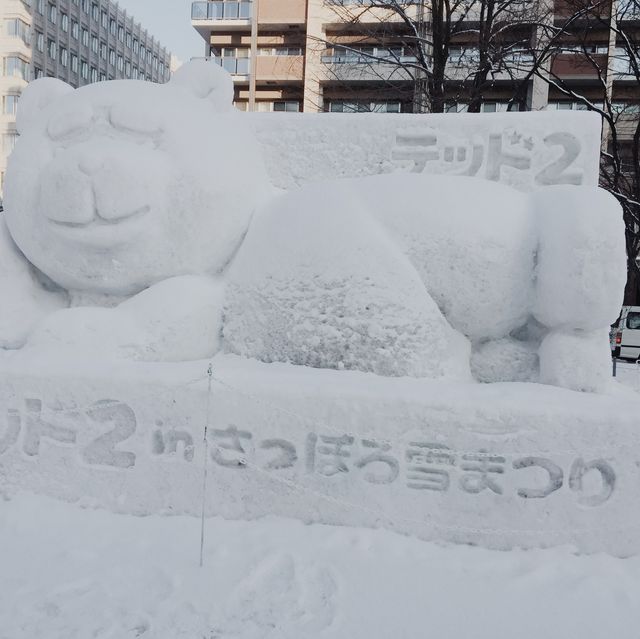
(78, 41)
(314, 55)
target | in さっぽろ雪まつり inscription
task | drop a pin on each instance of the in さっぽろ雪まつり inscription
(419, 465)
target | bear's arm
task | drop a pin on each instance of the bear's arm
(23, 300)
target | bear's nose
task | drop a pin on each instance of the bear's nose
(90, 164)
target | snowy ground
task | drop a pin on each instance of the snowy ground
(71, 573)
(628, 373)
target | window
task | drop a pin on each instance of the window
(84, 69)
(64, 22)
(85, 6)
(112, 57)
(9, 142)
(53, 13)
(280, 51)
(39, 41)
(633, 321)
(565, 105)
(136, 46)
(120, 63)
(64, 57)
(94, 43)
(103, 77)
(40, 7)
(74, 63)
(94, 74)
(85, 37)
(121, 33)
(143, 53)
(17, 67)
(10, 104)
(235, 60)
(625, 108)
(464, 55)
(280, 106)
(17, 28)
(103, 50)
(75, 29)
(95, 12)
(128, 39)
(288, 105)
(113, 26)
(361, 54)
(127, 68)
(364, 106)
(104, 19)
(134, 74)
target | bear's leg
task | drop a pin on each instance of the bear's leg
(580, 281)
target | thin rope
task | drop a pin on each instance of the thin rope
(205, 464)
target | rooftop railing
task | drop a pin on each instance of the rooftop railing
(221, 10)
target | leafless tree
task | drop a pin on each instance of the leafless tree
(590, 58)
(440, 51)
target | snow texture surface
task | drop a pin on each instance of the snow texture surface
(318, 283)
(69, 573)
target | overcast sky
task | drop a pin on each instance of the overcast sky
(170, 22)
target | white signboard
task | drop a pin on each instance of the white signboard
(409, 456)
(524, 150)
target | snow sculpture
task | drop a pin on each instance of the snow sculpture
(150, 230)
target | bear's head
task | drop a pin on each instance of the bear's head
(117, 185)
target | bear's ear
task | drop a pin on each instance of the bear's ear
(208, 81)
(35, 97)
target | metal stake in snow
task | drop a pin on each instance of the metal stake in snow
(205, 463)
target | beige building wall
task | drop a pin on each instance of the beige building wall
(13, 13)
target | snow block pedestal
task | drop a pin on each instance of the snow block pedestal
(500, 465)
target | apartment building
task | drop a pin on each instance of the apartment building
(78, 41)
(313, 55)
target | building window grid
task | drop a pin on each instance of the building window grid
(139, 58)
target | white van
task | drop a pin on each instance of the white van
(625, 334)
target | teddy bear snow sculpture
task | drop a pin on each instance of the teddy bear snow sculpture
(143, 225)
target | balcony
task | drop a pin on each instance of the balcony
(340, 68)
(461, 67)
(223, 15)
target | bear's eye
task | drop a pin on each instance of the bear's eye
(128, 118)
(71, 123)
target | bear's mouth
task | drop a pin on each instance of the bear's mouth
(98, 220)
(101, 230)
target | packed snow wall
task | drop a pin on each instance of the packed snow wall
(523, 150)
(500, 465)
